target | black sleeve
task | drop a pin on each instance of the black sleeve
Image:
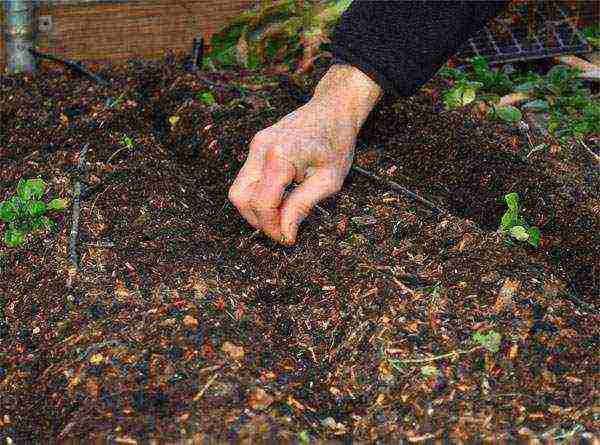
(401, 44)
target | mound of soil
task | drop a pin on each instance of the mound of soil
(181, 325)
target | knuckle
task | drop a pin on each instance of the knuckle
(338, 185)
(259, 139)
(303, 208)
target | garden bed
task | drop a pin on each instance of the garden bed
(183, 325)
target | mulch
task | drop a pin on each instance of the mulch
(181, 326)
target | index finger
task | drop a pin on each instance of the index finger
(278, 173)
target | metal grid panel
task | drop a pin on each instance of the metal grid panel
(544, 32)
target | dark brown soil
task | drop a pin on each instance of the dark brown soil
(180, 326)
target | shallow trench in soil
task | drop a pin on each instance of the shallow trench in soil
(467, 165)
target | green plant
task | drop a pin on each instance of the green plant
(25, 212)
(592, 34)
(490, 340)
(463, 93)
(514, 225)
(573, 113)
(508, 114)
(560, 93)
(207, 97)
(493, 81)
(304, 437)
(127, 142)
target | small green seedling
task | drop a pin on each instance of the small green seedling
(304, 437)
(463, 93)
(207, 97)
(514, 224)
(592, 34)
(490, 340)
(127, 142)
(25, 212)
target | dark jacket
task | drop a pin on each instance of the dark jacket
(401, 44)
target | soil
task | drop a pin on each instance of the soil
(181, 326)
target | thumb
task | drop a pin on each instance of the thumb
(303, 198)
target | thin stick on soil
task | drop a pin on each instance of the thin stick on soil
(592, 154)
(203, 390)
(77, 208)
(400, 189)
(437, 357)
(222, 86)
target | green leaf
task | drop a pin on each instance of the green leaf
(451, 73)
(7, 211)
(509, 219)
(14, 238)
(207, 97)
(480, 64)
(592, 34)
(36, 224)
(304, 437)
(452, 98)
(594, 41)
(526, 87)
(512, 200)
(32, 188)
(519, 233)
(48, 223)
(490, 341)
(127, 142)
(36, 208)
(459, 97)
(537, 105)
(58, 204)
(509, 114)
(468, 96)
(534, 236)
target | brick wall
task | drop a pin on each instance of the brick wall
(120, 30)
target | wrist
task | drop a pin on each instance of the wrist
(348, 93)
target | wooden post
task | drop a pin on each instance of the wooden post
(18, 35)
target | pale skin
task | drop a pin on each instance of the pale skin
(312, 146)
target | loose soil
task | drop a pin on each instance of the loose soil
(183, 327)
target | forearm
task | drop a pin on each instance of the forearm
(348, 94)
(401, 44)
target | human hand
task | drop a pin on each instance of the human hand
(313, 145)
(308, 146)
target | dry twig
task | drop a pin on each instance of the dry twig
(592, 154)
(203, 390)
(77, 208)
(400, 189)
